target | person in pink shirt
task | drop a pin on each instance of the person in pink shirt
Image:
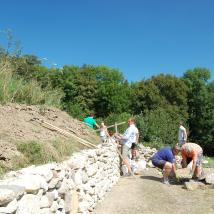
(192, 152)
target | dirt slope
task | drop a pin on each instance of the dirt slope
(146, 194)
(17, 125)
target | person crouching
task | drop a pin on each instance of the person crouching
(165, 160)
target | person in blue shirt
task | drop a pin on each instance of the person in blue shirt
(165, 160)
(90, 121)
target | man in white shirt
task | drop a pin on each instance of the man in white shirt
(182, 134)
(130, 136)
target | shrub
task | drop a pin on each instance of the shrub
(15, 89)
(159, 127)
(32, 151)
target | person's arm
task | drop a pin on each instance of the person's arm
(185, 135)
(194, 159)
(183, 161)
(126, 135)
(97, 125)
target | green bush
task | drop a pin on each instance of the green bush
(159, 127)
(64, 148)
(15, 89)
(118, 118)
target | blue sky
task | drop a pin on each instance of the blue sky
(141, 38)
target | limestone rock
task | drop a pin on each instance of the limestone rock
(193, 185)
(10, 208)
(9, 193)
(29, 204)
(210, 178)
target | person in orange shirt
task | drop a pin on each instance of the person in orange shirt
(192, 152)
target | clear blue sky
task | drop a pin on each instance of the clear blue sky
(141, 38)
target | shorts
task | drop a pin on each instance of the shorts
(125, 151)
(159, 163)
(199, 159)
(103, 139)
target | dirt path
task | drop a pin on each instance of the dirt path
(146, 194)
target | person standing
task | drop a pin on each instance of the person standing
(129, 137)
(103, 132)
(182, 134)
(90, 121)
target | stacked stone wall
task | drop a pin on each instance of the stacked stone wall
(82, 180)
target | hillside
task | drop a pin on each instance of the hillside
(19, 126)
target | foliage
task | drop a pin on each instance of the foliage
(32, 151)
(64, 148)
(210, 163)
(15, 89)
(159, 102)
(201, 108)
(118, 118)
(160, 91)
(159, 126)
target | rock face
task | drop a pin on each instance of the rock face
(52, 188)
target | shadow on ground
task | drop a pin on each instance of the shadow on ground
(149, 177)
(172, 181)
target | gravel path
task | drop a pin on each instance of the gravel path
(146, 194)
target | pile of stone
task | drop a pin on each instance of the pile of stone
(50, 188)
(207, 181)
(146, 153)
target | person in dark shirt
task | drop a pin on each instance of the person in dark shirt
(165, 160)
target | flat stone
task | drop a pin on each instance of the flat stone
(10, 208)
(9, 193)
(29, 204)
(210, 178)
(193, 185)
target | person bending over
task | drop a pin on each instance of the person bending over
(193, 152)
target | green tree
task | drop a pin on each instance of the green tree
(159, 127)
(200, 101)
(160, 91)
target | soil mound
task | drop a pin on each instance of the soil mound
(18, 123)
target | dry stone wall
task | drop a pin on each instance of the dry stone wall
(52, 188)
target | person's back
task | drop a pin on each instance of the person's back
(90, 121)
(164, 154)
(182, 134)
(191, 150)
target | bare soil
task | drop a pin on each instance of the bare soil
(146, 194)
(18, 124)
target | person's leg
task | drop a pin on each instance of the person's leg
(166, 171)
(198, 169)
(166, 168)
(125, 155)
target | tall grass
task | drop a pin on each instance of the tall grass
(15, 89)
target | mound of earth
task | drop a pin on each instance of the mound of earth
(18, 123)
